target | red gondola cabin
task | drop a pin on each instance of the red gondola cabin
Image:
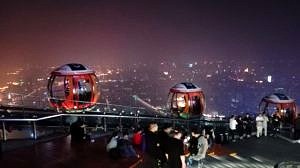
(186, 100)
(282, 105)
(73, 87)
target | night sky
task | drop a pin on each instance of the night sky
(55, 32)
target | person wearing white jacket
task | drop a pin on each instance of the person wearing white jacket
(259, 125)
(232, 127)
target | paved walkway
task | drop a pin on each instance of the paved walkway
(60, 153)
(253, 153)
(249, 153)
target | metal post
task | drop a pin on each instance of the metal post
(34, 130)
(137, 114)
(22, 99)
(105, 124)
(3, 131)
(120, 124)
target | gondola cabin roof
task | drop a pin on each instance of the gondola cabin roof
(185, 87)
(278, 98)
(72, 69)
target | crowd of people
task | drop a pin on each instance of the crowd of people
(242, 127)
(171, 147)
(166, 148)
(176, 148)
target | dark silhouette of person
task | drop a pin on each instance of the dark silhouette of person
(77, 131)
(176, 156)
(248, 121)
(275, 124)
(164, 138)
(153, 153)
(240, 127)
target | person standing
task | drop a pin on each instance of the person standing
(198, 159)
(248, 125)
(193, 144)
(175, 153)
(259, 125)
(210, 136)
(154, 154)
(275, 124)
(137, 138)
(240, 127)
(164, 139)
(77, 131)
(232, 127)
(265, 123)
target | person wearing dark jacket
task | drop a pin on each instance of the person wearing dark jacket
(248, 122)
(176, 156)
(153, 153)
(240, 127)
(77, 131)
(164, 138)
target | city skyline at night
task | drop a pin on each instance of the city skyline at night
(229, 87)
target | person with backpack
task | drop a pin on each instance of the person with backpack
(197, 156)
(193, 142)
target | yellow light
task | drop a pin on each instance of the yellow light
(233, 154)
(211, 154)
(180, 102)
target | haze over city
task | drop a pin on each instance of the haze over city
(162, 40)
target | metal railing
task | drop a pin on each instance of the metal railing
(107, 121)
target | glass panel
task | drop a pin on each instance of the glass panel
(262, 106)
(58, 88)
(287, 116)
(195, 107)
(169, 103)
(269, 109)
(84, 90)
(174, 101)
(181, 102)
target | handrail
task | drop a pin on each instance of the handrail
(35, 118)
(89, 115)
(97, 103)
(30, 119)
(107, 116)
